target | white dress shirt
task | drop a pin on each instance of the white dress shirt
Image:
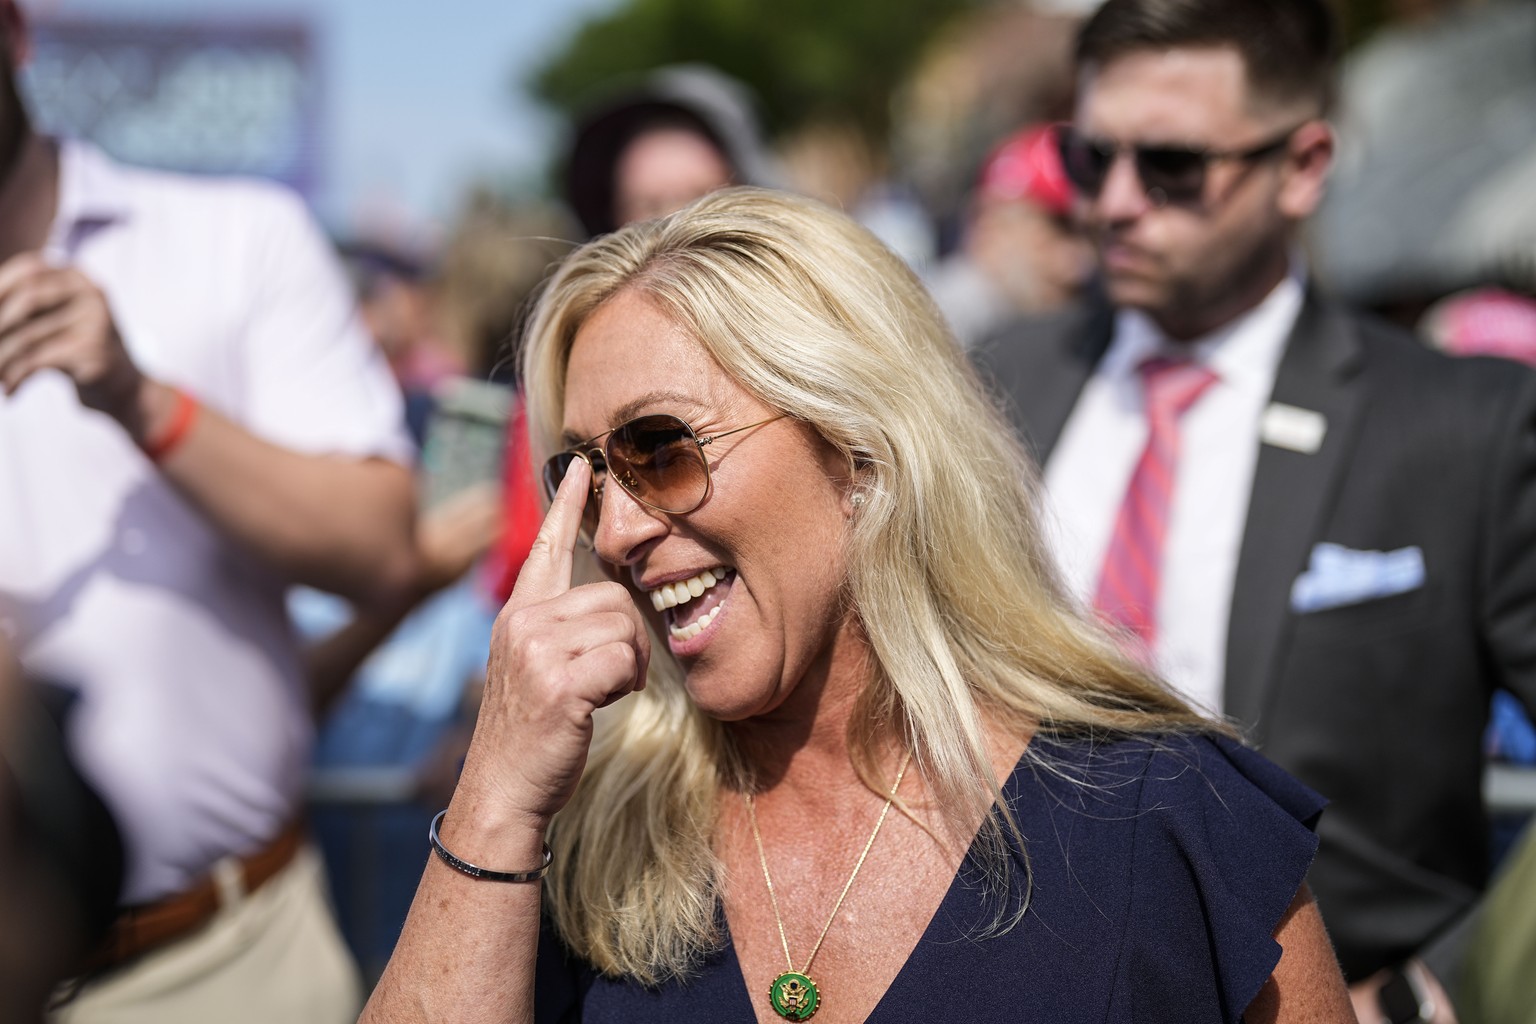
(1091, 465)
(193, 719)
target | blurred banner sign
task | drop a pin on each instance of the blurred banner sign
(206, 96)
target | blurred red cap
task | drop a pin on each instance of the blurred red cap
(1026, 166)
(1485, 322)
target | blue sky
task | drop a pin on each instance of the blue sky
(419, 97)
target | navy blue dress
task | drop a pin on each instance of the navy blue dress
(1158, 872)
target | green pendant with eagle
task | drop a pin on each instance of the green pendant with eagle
(794, 996)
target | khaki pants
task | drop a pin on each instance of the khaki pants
(274, 956)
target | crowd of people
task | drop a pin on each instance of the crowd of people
(1102, 622)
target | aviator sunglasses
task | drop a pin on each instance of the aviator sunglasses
(1169, 174)
(658, 460)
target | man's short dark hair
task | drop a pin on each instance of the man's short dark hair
(1287, 46)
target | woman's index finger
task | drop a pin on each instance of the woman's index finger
(546, 572)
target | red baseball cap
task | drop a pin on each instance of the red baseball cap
(1485, 322)
(1026, 166)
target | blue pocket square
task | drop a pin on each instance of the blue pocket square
(1338, 576)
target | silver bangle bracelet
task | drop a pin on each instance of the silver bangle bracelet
(475, 871)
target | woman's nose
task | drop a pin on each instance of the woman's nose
(624, 524)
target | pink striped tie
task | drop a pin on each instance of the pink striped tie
(1128, 584)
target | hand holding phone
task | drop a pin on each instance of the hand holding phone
(466, 439)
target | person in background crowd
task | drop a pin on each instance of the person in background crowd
(399, 306)
(1308, 520)
(1021, 253)
(394, 298)
(193, 419)
(653, 146)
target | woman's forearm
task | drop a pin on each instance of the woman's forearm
(469, 946)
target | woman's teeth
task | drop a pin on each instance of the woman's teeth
(670, 595)
(697, 626)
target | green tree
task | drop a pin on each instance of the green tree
(808, 60)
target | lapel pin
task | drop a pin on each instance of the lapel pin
(1294, 428)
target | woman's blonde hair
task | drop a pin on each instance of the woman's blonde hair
(948, 573)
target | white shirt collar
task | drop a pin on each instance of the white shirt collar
(92, 193)
(1244, 352)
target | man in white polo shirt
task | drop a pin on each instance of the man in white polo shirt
(191, 419)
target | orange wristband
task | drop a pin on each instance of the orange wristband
(175, 431)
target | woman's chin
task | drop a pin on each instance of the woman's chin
(732, 705)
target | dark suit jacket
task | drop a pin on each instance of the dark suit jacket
(1379, 705)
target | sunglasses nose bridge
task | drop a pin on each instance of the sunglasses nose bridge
(1123, 190)
(621, 519)
(620, 471)
(597, 459)
(657, 462)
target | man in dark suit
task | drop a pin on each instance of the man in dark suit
(1307, 521)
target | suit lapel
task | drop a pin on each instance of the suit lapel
(1291, 493)
(1044, 396)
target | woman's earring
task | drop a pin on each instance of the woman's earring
(858, 500)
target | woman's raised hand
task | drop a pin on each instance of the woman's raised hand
(558, 653)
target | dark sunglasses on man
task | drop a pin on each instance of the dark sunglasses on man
(1169, 174)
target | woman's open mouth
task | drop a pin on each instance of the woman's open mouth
(691, 605)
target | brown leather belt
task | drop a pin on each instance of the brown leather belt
(140, 929)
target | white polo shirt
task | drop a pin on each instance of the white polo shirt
(193, 720)
(1091, 465)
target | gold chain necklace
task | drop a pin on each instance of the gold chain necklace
(793, 995)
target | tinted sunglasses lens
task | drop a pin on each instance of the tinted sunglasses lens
(1179, 173)
(1085, 162)
(657, 459)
